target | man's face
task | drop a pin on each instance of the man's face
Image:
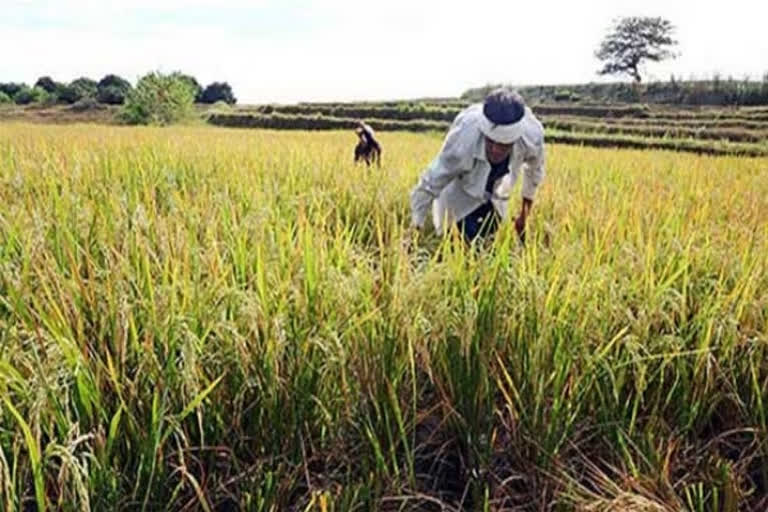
(497, 152)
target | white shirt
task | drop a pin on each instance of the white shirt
(454, 182)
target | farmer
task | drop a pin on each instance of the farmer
(470, 181)
(368, 148)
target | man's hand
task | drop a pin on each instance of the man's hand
(525, 210)
(520, 228)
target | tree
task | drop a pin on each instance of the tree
(113, 80)
(47, 84)
(159, 99)
(112, 95)
(68, 94)
(218, 91)
(85, 87)
(26, 96)
(197, 89)
(633, 41)
(12, 88)
(113, 90)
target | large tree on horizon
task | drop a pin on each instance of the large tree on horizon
(634, 40)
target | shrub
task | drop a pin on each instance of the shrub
(47, 84)
(12, 88)
(113, 80)
(192, 82)
(68, 94)
(4, 98)
(34, 95)
(85, 87)
(113, 90)
(218, 91)
(159, 99)
(112, 95)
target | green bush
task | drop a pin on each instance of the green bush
(159, 99)
(218, 91)
(112, 80)
(197, 89)
(47, 83)
(11, 88)
(112, 95)
(4, 98)
(113, 90)
(26, 96)
(85, 87)
(68, 94)
(717, 91)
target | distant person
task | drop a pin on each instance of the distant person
(470, 180)
(368, 148)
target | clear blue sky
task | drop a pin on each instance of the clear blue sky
(290, 50)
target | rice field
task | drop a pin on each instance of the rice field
(201, 318)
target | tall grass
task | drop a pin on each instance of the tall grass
(208, 318)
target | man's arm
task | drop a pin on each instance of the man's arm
(532, 178)
(525, 210)
(440, 172)
(446, 166)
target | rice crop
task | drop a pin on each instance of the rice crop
(216, 319)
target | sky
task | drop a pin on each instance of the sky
(285, 51)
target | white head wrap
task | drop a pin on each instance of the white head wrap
(502, 133)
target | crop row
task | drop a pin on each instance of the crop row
(555, 133)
